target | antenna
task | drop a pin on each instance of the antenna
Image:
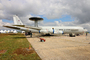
(36, 19)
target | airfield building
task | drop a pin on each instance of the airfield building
(8, 31)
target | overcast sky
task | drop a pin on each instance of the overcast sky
(54, 12)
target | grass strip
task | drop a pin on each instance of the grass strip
(14, 47)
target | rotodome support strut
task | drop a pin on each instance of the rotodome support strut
(36, 19)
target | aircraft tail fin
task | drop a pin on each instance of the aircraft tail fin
(17, 21)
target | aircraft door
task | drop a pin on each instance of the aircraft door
(53, 30)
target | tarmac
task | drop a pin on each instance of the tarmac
(62, 47)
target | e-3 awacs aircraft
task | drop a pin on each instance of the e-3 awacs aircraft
(71, 30)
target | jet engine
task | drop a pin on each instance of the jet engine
(57, 32)
(51, 31)
(46, 31)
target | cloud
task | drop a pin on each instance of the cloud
(3, 23)
(85, 25)
(51, 9)
(41, 23)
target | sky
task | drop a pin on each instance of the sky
(54, 12)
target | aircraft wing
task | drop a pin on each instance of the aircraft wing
(36, 28)
(19, 27)
(12, 27)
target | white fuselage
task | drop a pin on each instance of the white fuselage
(65, 29)
(59, 30)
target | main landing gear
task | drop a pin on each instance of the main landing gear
(72, 35)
